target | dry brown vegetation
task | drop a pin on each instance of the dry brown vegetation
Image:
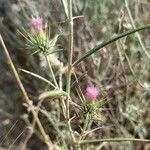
(121, 70)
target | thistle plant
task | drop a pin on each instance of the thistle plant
(38, 39)
(67, 106)
(39, 42)
(91, 94)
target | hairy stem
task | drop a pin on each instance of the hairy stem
(70, 52)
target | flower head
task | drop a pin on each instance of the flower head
(37, 24)
(92, 93)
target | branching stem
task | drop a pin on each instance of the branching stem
(70, 52)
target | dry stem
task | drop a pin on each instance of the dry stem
(26, 98)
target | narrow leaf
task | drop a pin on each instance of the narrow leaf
(98, 47)
(53, 40)
(55, 51)
(52, 94)
(113, 140)
(76, 81)
(65, 4)
(37, 76)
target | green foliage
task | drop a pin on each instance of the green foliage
(43, 45)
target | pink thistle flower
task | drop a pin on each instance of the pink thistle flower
(37, 24)
(92, 93)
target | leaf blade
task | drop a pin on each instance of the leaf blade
(96, 48)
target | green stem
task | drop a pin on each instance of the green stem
(85, 124)
(70, 52)
(51, 71)
(70, 45)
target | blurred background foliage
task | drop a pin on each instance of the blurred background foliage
(121, 70)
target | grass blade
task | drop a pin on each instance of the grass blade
(98, 47)
(65, 5)
(37, 76)
(113, 140)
